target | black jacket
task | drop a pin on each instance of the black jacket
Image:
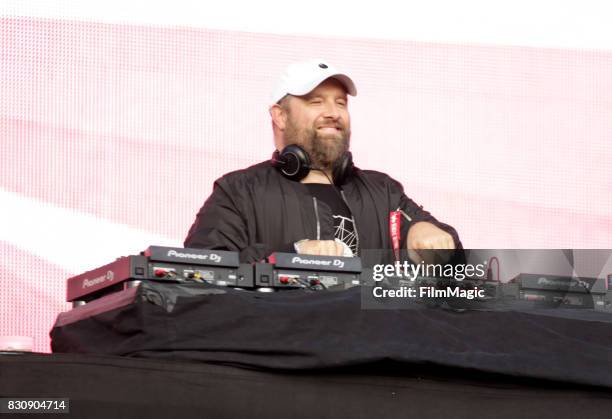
(258, 211)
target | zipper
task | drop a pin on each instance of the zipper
(316, 208)
(354, 223)
(404, 214)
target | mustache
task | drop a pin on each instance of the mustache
(338, 125)
(324, 149)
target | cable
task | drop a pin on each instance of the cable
(491, 259)
(308, 285)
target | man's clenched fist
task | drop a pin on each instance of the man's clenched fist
(423, 236)
(320, 247)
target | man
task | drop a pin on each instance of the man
(310, 198)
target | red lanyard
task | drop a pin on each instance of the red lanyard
(395, 221)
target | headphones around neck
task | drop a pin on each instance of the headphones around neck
(295, 164)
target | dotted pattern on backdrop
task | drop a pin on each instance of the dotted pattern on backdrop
(133, 124)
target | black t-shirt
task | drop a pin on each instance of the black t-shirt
(344, 228)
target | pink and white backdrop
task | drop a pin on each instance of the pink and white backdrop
(112, 135)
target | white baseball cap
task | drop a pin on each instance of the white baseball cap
(300, 78)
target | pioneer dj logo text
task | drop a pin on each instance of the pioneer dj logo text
(336, 262)
(213, 257)
(109, 276)
(572, 283)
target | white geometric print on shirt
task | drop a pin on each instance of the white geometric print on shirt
(345, 232)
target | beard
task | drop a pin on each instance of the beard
(323, 149)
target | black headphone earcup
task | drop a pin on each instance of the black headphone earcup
(292, 161)
(343, 169)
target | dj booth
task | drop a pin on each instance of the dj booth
(158, 347)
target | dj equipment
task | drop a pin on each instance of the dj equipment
(295, 164)
(286, 271)
(217, 267)
(161, 264)
(160, 275)
(553, 290)
(291, 270)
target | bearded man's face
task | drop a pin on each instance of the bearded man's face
(319, 122)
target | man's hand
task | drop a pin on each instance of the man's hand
(424, 236)
(320, 247)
